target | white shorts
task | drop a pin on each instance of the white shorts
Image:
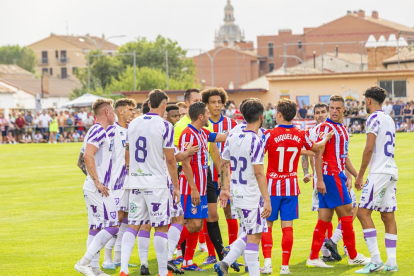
(102, 211)
(250, 220)
(149, 206)
(121, 199)
(315, 198)
(176, 210)
(379, 193)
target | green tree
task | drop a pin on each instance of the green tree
(152, 54)
(21, 56)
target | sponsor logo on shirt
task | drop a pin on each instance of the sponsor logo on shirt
(132, 208)
(382, 193)
(140, 172)
(123, 143)
(242, 135)
(147, 117)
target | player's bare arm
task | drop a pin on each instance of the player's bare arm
(225, 180)
(348, 180)
(89, 157)
(320, 185)
(366, 158)
(81, 164)
(221, 137)
(261, 182)
(215, 155)
(188, 172)
(127, 157)
(321, 145)
(172, 169)
(304, 152)
(305, 167)
(189, 152)
(350, 167)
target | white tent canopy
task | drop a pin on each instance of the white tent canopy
(86, 100)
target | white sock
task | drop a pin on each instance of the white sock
(268, 262)
(370, 236)
(337, 234)
(143, 246)
(179, 253)
(160, 246)
(173, 237)
(391, 246)
(97, 244)
(95, 260)
(118, 242)
(108, 249)
(325, 251)
(236, 250)
(252, 259)
(128, 242)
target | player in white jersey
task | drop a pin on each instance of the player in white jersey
(149, 154)
(244, 152)
(379, 191)
(101, 206)
(125, 111)
(243, 125)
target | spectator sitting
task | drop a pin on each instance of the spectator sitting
(412, 126)
(20, 124)
(38, 138)
(400, 127)
(356, 127)
(68, 137)
(46, 136)
(26, 138)
(10, 138)
(75, 136)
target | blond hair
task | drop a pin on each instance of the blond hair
(99, 103)
(181, 104)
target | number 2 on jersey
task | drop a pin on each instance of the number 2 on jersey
(243, 167)
(141, 149)
(281, 151)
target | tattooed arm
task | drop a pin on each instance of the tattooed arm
(81, 164)
(225, 182)
(305, 165)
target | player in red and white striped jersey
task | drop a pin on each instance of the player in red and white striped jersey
(284, 144)
(332, 188)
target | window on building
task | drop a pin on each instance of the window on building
(63, 73)
(63, 56)
(44, 57)
(271, 67)
(50, 71)
(57, 54)
(74, 70)
(299, 44)
(394, 88)
(45, 71)
(270, 49)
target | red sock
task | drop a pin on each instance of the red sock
(233, 230)
(210, 245)
(287, 243)
(184, 235)
(178, 246)
(330, 229)
(348, 235)
(190, 246)
(267, 243)
(318, 238)
(201, 238)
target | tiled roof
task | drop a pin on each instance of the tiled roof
(5, 89)
(85, 43)
(385, 23)
(12, 69)
(406, 54)
(351, 57)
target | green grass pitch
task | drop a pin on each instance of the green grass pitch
(43, 220)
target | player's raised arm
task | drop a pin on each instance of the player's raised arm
(189, 152)
(366, 158)
(89, 157)
(321, 145)
(221, 137)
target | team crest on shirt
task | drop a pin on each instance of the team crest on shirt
(113, 215)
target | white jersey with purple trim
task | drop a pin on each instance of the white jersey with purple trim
(382, 160)
(119, 171)
(242, 126)
(99, 137)
(147, 137)
(243, 150)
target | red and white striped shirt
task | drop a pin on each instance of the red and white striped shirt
(336, 149)
(224, 125)
(199, 161)
(284, 144)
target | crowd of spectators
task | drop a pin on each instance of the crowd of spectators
(48, 126)
(355, 115)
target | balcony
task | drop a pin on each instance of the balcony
(62, 60)
(44, 61)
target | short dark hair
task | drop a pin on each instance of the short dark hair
(196, 109)
(244, 101)
(376, 93)
(337, 98)
(188, 92)
(288, 109)
(125, 102)
(145, 107)
(206, 94)
(320, 105)
(172, 107)
(156, 97)
(252, 110)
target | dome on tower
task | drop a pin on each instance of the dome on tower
(229, 32)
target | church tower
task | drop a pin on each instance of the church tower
(229, 32)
